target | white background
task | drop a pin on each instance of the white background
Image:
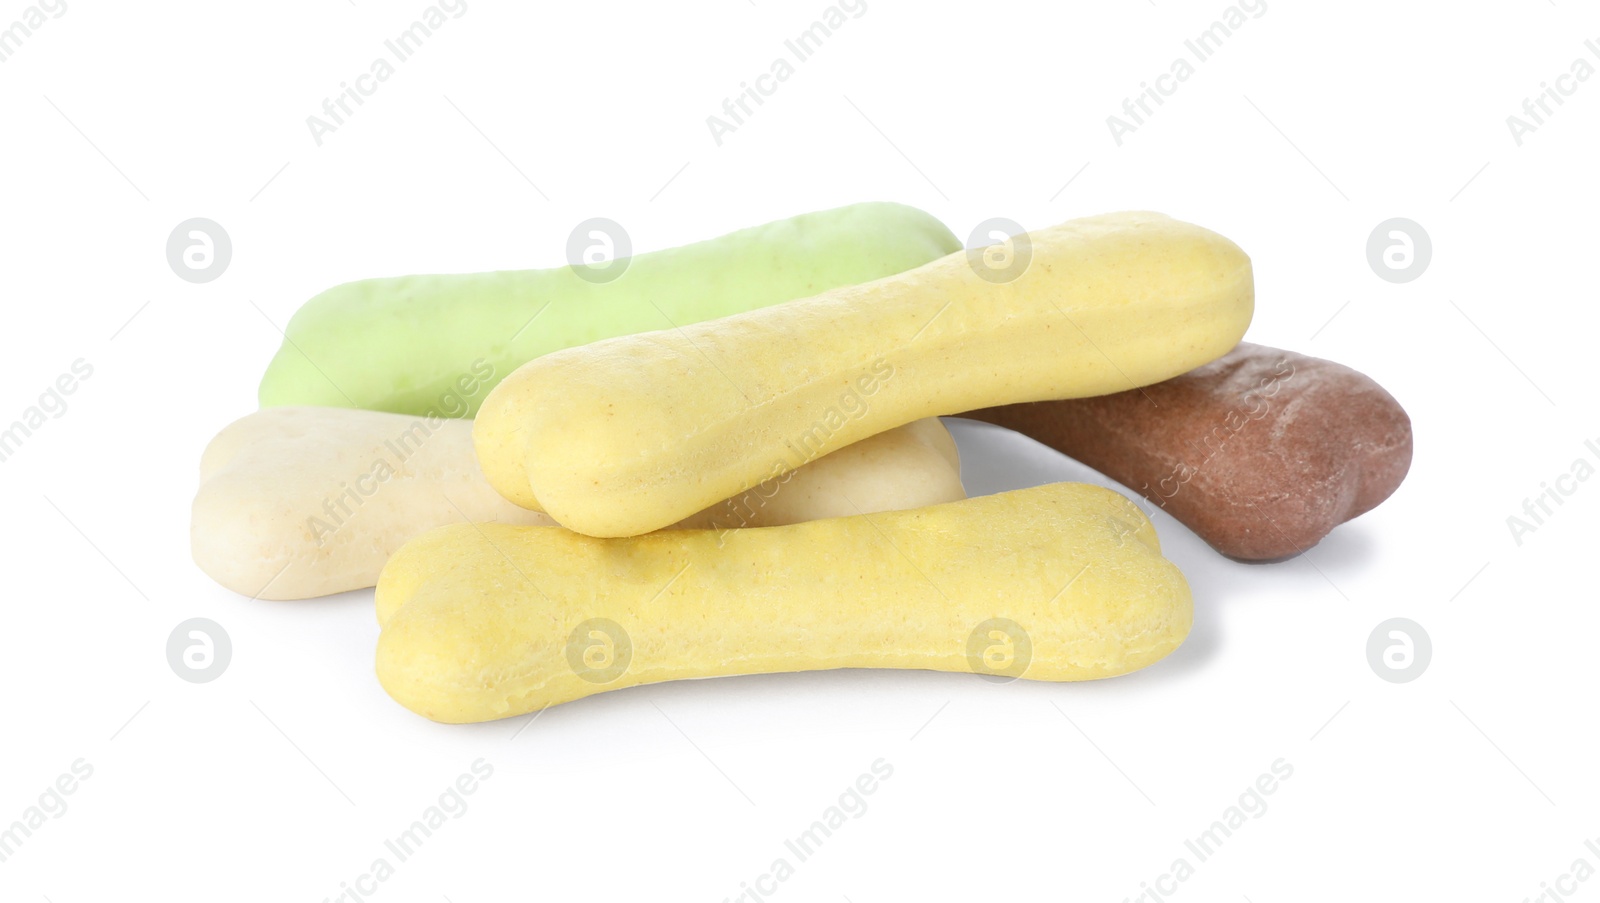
(280, 780)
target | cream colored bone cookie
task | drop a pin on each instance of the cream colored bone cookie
(1058, 582)
(302, 502)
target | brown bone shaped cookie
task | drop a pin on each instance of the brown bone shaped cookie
(1261, 452)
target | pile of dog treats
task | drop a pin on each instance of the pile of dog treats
(726, 458)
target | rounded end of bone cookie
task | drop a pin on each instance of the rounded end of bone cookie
(231, 546)
(433, 663)
(499, 451)
(413, 670)
(1338, 446)
(1125, 607)
(451, 659)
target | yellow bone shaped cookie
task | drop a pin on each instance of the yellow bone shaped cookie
(1058, 582)
(628, 435)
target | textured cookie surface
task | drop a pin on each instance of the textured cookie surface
(302, 502)
(1058, 582)
(628, 435)
(1262, 453)
(437, 343)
